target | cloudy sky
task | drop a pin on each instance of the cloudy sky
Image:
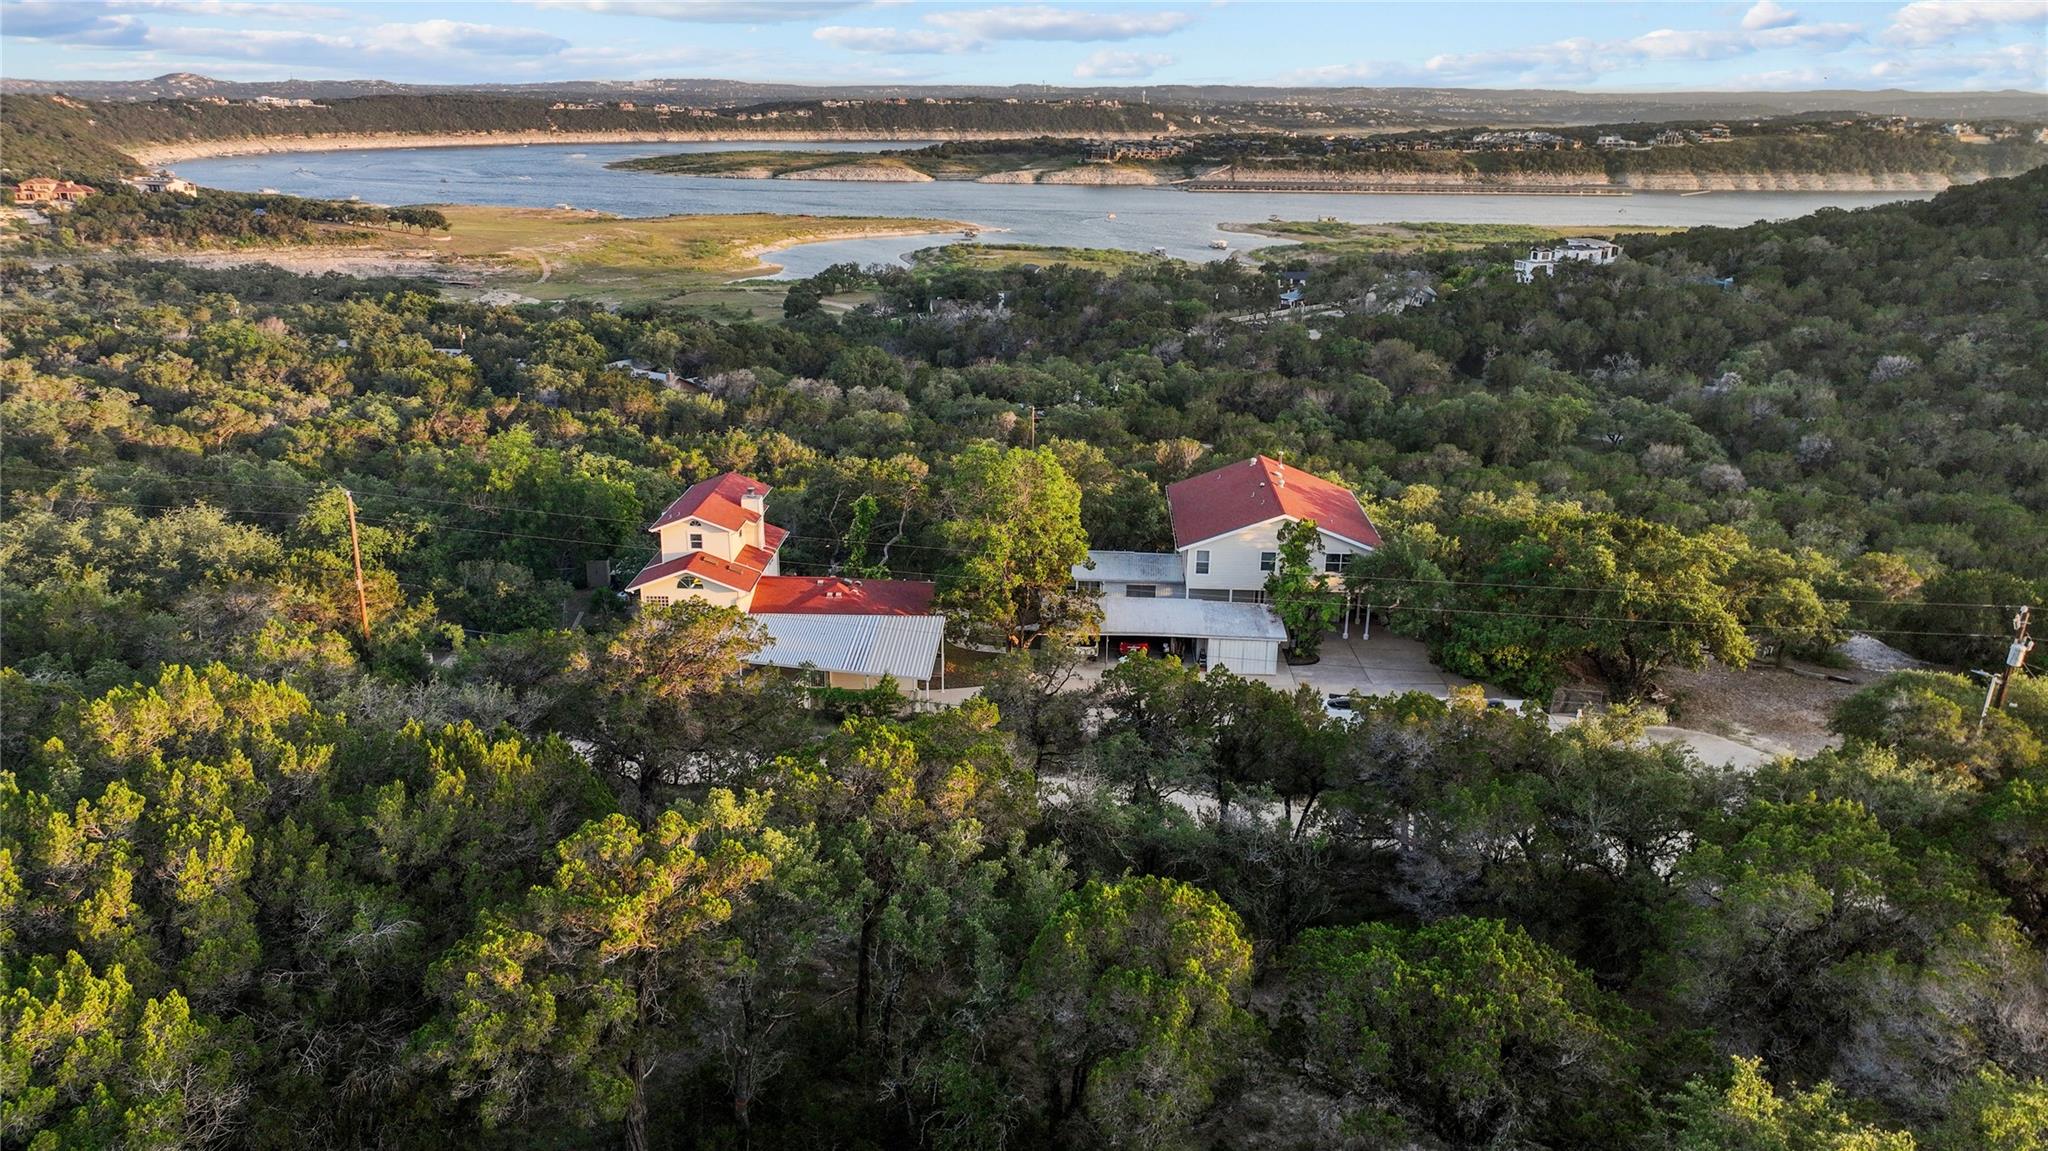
(1924, 44)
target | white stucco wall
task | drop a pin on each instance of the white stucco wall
(1234, 558)
(675, 540)
(709, 593)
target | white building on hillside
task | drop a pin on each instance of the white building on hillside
(1206, 599)
(716, 545)
(1584, 249)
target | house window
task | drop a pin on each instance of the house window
(656, 600)
(1337, 563)
(1141, 591)
(1267, 560)
(689, 581)
(696, 541)
(1202, 563)
(1091, 586)
(1211, 594)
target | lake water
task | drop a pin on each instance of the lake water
(1137, 219)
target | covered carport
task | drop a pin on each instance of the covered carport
(1244, 637)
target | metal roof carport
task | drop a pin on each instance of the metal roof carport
(864, 646)
(1244, 637)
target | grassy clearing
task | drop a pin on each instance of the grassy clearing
(1335, 237)
(951, 257)
(556, 254)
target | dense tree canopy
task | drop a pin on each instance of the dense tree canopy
(520, 868)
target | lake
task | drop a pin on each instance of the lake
(1137, 219)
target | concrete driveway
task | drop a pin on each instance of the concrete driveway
(1386, 664)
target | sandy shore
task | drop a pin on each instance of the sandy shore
(174, 152)
(769, 269)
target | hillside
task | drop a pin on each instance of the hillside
(1410, 107)
(58, 130)
(1789, 154)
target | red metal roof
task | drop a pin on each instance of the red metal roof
(1259, 489)
(702, 565)
(831, 595)
(715, 501)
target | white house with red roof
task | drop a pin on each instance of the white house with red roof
(1206, 600)
(716, 545)
(1226, 525)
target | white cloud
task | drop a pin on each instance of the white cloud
(1768, 14)
(713, 11)
(1108, 64)
(976, 28)
(447, 43)
(1580, 60)
(231, 8)
(2011, 66)
(1933, 21)
(1042, 22)
(895, 41)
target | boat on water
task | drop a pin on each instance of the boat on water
(1112, 215)
(1220, 245)
(268, 192)
(969, 234)
(1159, 249)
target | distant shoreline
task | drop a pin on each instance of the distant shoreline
(1283, 183)
(172, 152)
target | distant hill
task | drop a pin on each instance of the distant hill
(1395, 106)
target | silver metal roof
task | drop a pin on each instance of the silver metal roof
(1132, 567)
(1190, 618)
(904, 646)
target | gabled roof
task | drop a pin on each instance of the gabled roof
(831, 595)
(716, 501)
(1259, 489)
(704, 566)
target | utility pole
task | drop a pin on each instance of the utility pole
(1034, 425)
(2015, 663)
(355, 546)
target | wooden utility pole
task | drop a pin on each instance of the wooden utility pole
(355, 546)
(2015, 663)
(1034, 425)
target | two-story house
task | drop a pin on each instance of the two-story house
(1206, 600)
(1577, 249)
(716, 545)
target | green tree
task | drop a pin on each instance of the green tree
(1135, 989)
(1013, 522)
(1307, 603)
(1467, 1029)
(664, 695)
(1749, 1115)
(564, 1003)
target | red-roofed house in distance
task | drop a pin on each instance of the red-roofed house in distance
(1206, 600)
(716, 545)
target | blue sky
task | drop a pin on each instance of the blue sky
(1923, 44)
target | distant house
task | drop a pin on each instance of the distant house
(1614, 143)
(1206, 600)
(716, 545)
(162, 182)
(53, 192)
(1583, 249)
